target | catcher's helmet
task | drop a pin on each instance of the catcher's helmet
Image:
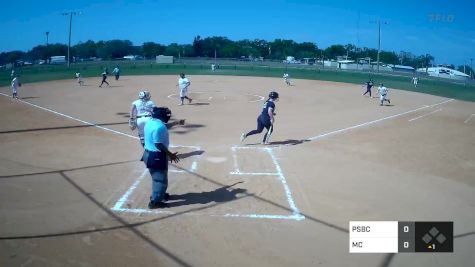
(162, 113)
(144, 95)
(273, 95)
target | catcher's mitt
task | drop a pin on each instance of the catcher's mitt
(132, 124)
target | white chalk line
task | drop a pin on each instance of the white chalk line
(175, 96)
(290, 200)
(171, 96)
(375, 121)
(469, 118)
(255, 173)
(295, 212)
(259, 96)
(118, 205)
(422, 116)
(75, 119)
(92, 124)
(296, 215)
(193, 164)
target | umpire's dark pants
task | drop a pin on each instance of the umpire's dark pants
(262, 122)
(159, 184)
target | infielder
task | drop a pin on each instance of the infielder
(369, 85)
(415, 81)
(79, 78)
(116, 71)
(265, 119)
(15, 84)
(183, 83)
(383, 93)
(140, 113)
(286, 78)
(104, 78)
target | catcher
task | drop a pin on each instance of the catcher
(141, 112)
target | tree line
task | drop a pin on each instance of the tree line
(218, 46)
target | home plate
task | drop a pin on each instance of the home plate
(216, 159)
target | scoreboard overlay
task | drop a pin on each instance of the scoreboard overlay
(404, 236)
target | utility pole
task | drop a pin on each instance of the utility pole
(471, 69)
(70, 14)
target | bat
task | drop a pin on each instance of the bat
(269, 134)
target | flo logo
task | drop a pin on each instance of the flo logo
(441, 18)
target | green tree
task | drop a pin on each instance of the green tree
(389, 57)
(114, 49)
(198, 46)
(172, 50)
(335, 50)
(151, 49)
(85, 50)
(11, 57)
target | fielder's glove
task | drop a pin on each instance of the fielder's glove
(132, 124)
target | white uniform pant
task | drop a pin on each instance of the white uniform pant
(382, 97)
(183, 92)
(14, 90)
(141, 125)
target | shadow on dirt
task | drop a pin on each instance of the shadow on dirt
(222, 194)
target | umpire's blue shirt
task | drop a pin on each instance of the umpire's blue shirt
(155, 131)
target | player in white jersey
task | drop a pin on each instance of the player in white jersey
(15, 84)
(140, 113)
(286, 78)
(183, 83)
(79, 78)
(383, 94)
(415, 81)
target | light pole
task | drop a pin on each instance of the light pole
(379, 39)
(47, 33)
(70, 14)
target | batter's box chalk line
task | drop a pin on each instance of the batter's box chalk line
(295, 213)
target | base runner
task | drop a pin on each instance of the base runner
(265, 119)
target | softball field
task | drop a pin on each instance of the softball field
(74, 193)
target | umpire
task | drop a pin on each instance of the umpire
(156, 153)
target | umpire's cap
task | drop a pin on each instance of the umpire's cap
(273, 95)
(162, 113)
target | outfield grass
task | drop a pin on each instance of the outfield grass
(93, 69)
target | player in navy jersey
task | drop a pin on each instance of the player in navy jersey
(265, 119)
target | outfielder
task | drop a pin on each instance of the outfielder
(265, 119)
(383, 93)
(140, 113)
(15, 84)
(286, 78)
(79, 78)
(415, 81)
(183, 83)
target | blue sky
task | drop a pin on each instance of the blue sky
(442, 28)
